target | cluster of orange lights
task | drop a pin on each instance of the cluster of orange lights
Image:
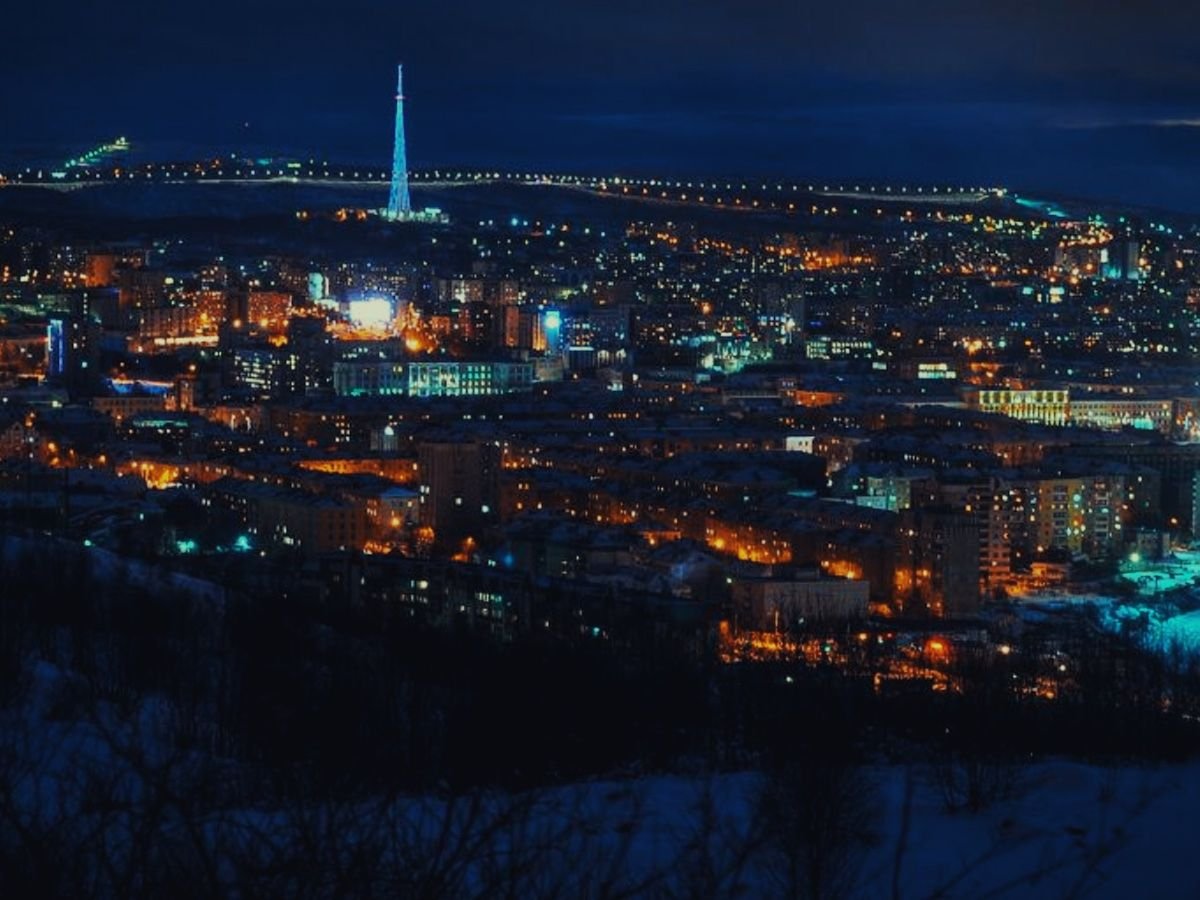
(840, 568)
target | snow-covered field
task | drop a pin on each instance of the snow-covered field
(1067, 830)
(1061, 828)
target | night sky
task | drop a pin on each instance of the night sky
(1085, 97)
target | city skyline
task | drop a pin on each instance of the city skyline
(736, 449)
(1092, 101)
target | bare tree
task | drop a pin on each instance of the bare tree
(818, 821)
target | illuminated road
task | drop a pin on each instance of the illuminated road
(763, 196)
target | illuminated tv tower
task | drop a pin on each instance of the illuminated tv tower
(399, 206)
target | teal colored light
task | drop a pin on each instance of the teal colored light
(242, 544)
(186, 546)
(1043, 206)
(398, 200)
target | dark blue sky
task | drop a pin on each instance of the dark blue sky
(1098, 98)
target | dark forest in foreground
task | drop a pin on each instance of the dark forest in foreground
(275, 702)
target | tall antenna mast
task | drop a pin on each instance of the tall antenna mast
(399, 205)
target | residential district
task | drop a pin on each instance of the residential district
(767, 419)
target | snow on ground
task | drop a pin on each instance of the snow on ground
(1070, 830)
(105, 564)
(1164, 614)
(1116, 831)
(1113, 833)
(1180, 633)
(1065, 828)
